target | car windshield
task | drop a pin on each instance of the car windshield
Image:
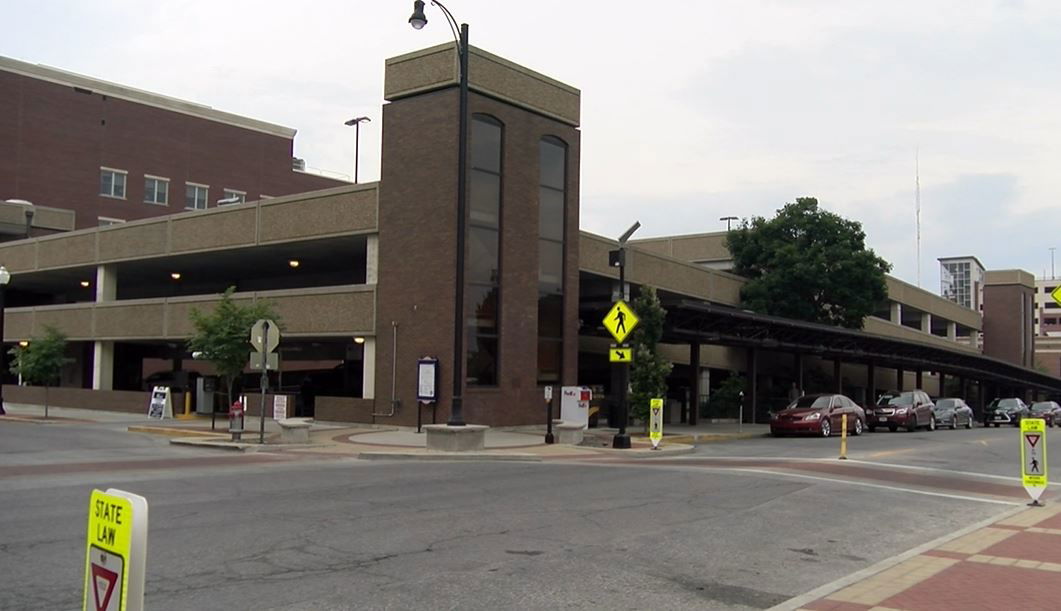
(1042, 406)
(811, 402)
(884, 399)
(1004, 404)
(907, 398)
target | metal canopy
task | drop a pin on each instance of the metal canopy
(690, 321)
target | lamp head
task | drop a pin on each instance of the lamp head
(5, 276)
(418, 19)
(629, 232)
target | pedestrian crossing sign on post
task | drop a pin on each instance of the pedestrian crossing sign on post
(620, 321)
(620, 354)
(1033, 457)
(655, 422)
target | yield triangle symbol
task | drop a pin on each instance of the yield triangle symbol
(103, 581)
(1033, 438)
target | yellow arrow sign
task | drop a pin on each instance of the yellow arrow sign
(1056, 294)
(620, 321)
(621, 355)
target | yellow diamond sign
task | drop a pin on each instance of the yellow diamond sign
(1056, 294)
(620, 321)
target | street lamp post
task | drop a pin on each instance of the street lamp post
(617, 258)
(356, 122)
(5, 277)
(418, 20)
(728, 219)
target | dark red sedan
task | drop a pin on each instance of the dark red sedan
(818, 415)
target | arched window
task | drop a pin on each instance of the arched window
(483, 269)
(552, 214)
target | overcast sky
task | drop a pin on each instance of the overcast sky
(690, 110)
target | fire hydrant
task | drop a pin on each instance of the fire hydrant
(235, 420)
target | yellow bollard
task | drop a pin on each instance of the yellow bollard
(187, 406)
(843, 437)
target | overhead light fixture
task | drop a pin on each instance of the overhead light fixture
(85, 284)
(23, 343)
(359, 340)
(175, 275)
(293, 263)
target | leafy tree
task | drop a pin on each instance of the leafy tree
(41, 361)
(223, 335)
(649, 370)
(725, 401)
(809, 264)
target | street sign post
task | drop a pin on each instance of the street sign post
(621, 354)
(1033, 457)
(655, 422)
(116, 551)
(265, 337)
(1056, 294)
(549, 438)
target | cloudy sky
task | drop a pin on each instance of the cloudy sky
(691, 110)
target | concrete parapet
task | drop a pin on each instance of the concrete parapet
(446, 438)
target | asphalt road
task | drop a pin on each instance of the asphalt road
(738, 525)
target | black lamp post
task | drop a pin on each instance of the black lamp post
(356, 122)
(617, 258)
(728, 219)
(418, 20)
(5, 277)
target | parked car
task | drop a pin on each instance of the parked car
(818, 415)
(910, 409)
(1049, 411)
(953, 412)
(1006, 411)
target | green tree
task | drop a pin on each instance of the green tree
(809, 264)
(40, 362)
(725, 401)
(649, 370)
(223, 335)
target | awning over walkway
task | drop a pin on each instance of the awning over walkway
(691, 321)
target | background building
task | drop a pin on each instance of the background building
(110, 153)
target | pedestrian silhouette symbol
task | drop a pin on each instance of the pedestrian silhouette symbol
(1035, 465)
(620, 318)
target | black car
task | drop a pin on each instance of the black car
(953, 412)
(1006, 411)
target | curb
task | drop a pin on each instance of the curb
(162, 430)
(7, 418)
(664, 452)
(822, 591)
(219, 444)
(449, 456)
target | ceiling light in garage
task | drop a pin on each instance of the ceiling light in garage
(85, 284)
(175, 275)
(359, 340)
(293, 263)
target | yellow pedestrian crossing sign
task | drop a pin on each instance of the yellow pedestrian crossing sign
(621, 355)
(1056, 294)
(1033, 456)
(620, 321)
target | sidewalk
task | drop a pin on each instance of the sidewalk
(1011, 563)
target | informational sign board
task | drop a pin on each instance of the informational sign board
(1033, 456)
(620, 321)
(427, 380)
(161, 405)
(270, 360)
(620, 354)
(548, 393)
(279, 407)
(115, 551)
(655, 421)
(265, 335)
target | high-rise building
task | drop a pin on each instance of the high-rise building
(961, 280)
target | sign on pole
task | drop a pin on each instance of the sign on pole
(1033, 456)
(621, 354)
(655, 422)
(1056, 294)
(265, 335)
(116, 551)
(548, 393)
(269, 360)
(620, 321)
(427, 380)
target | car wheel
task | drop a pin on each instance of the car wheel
(931, 423)
(913, 425)
(827, 429)
(858, 427)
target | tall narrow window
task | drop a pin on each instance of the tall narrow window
(552, 208)
(483, 267)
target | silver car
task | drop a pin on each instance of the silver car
(953, 412)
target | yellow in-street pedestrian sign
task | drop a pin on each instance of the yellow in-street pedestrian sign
(1056, 294)
(620, 321)
(621, 354)
(655, 422)
(1033, 456)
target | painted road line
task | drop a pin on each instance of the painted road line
(1007, 478)
(959, 497)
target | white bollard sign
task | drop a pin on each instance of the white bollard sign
(116, 551)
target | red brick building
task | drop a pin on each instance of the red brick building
(111, 153)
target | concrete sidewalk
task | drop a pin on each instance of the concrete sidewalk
(1014, 562)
